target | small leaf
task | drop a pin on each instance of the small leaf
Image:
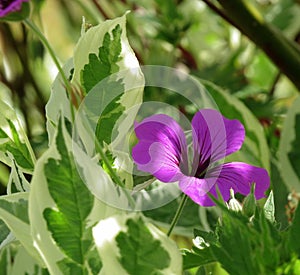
(110, 115)
(105, 64)
(140, 252)
(269, 208)
(17, 181)
(93, 261)
(197, 258)
(16, 147)
(142, 248)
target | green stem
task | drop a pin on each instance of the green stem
(283, 52)
(177, 214)
(44, 40)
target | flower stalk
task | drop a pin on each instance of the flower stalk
(177, 214)
(43, 39)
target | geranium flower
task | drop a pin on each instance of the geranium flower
(163, 152)
(8, 6)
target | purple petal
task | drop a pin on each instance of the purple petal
(161, 150)
(236, 175)
(197, 189)
(214, 137)
(10, 6)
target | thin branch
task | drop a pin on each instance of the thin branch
(283, 52)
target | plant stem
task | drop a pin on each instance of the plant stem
(177, 214)
(43, 39)
(283, 52)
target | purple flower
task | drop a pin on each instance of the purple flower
(8, 6)
(162, 151)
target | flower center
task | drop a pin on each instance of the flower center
(202, 168)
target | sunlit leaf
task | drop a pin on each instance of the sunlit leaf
(61, 207)
(14, 212)
(105, 64)
(13, 140)
(142, 248)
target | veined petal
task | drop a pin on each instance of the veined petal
(214, 137)
(161, 150)
(239, 176)
(236, 175)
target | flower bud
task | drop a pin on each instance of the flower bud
(233, 203)
(249, 204)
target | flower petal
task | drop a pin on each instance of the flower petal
(161, 150)
(236, 175)
(197, 189)
(214, 137)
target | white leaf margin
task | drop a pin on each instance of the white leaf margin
(106, 231)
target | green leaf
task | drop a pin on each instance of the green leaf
(58, 104)
(69, 267)
(18, 209)
(294, 155)
(140, 252)
(17, 181)
(14, 212)
(269, 208)
(289, 148)
(110, 115)
(4, 233)
(293, 237)
(280, 194)
(105, 64)
(12, 143)
(73, 200)
(142, 248)
(193, 259)
(61, 208)
(102, 51)
(93, 261)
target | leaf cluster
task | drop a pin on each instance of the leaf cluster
(248, 246)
